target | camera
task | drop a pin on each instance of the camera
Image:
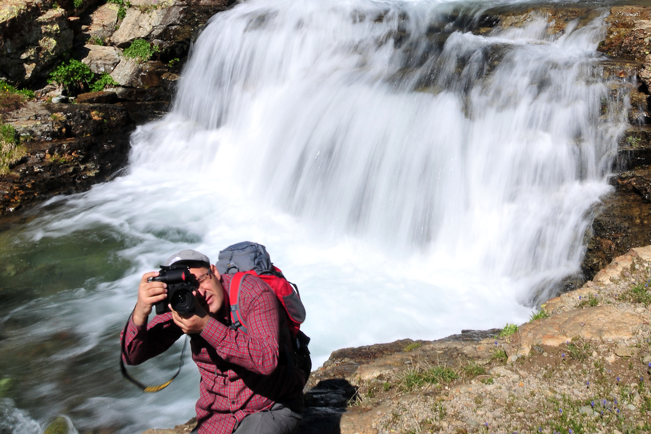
(180, 284)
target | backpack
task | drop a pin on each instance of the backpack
(248, 258)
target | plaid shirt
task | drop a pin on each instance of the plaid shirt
(241, 373)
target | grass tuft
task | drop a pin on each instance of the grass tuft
(508, 330)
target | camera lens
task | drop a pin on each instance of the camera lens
(182, 301)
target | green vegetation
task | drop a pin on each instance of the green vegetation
(539, 315)
(74, 76)
(412, 346)
(579, 349)
(77, 77)
(103, 81)
(173, 62)
(416, 378)
(637, 294)
(10, 150)
(472, 369)
(633, 141)
(508, 330)
(141, 50)
(589, 301)
(122, 11)
(77, 3)
(12, 98)
(96, 41)
(499, 355)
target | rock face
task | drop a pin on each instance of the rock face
(32, 36)
(74, 147)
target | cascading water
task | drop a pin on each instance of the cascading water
(413, 177)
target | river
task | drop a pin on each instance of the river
(414, 178)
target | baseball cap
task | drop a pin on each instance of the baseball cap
(190, 258)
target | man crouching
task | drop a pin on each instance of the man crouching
(246, 385)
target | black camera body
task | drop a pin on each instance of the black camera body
(180, 284)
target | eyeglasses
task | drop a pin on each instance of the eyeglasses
(204, 277)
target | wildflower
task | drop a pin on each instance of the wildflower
(570, 430)
(617, 378)
(592, 403)
(615, 401)
(587, 383)
(563, 355)
(495, 342)
(561, 410)
(618, 410)
(579, 297)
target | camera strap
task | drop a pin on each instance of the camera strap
(125, 374)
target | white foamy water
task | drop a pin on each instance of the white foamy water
(412, 186)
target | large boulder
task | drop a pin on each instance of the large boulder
(102, 59)
(144, 23)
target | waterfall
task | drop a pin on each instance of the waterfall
(412, 176)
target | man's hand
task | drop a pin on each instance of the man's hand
(149, 293)
(192, 322)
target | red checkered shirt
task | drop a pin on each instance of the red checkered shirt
(241, 373)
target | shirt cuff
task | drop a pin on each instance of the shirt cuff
(214, 332)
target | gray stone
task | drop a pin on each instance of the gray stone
(127, 72)
(148, 24)
(102, 59)
(59, 99)
(631, 407)
(104, 21)
(586, 410)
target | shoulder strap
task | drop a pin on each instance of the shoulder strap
(237, 322)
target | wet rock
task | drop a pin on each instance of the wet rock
(622, 222)
(634, 148)
(102, 59)
(97, 98)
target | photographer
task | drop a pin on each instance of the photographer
(247, 385)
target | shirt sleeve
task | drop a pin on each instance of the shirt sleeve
(256, 350)
(141, 343)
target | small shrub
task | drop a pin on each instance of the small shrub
(173, 62)
(637, 294)
(508, 330)
(141, 50)
(499, 355)
(95, 40)
(12, 98)
(579, 349)
(74, 76)
(633, 141)
(472, 370)
(418, 378)
(589, 301)
(77, 3)
(539, 315)
(10, 151)
(103, 81)
(412, 346)
(122, 12)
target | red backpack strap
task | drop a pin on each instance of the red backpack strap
(234, 298)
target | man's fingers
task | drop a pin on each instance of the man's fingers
(146, 276)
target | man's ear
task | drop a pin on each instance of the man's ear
(214, 271)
